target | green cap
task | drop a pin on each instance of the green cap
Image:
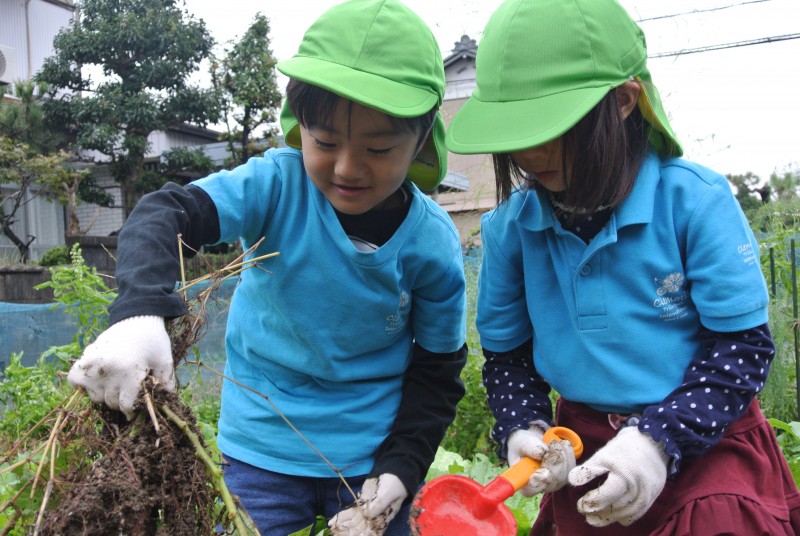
(380, 54)
(544, 64)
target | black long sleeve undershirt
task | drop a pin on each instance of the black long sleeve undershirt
(431, 390)
(148, 261)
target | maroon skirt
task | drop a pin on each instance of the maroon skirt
(742, 486)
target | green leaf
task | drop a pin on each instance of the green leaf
(792, 428)
(319, 528)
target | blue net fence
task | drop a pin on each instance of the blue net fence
(33, 329)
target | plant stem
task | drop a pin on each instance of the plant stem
(183, 268)
(50, 445)
(215, 473)
(231, 267)
(11, 523)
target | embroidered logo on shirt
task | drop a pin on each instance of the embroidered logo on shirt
(748, 253)
(670, 284)
(397, 322)
(672, 297)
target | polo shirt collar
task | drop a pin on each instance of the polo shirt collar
(535, 212)
(638, 207)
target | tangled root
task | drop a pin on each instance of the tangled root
(144, 480)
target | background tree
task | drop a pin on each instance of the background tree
(26, 175)
(750, 193)
(786, 185)
(180, 165)
(146, 51)
(246, 80)
(23, 120)
(23, 123)
(769, 205)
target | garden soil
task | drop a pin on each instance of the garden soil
(142, 482)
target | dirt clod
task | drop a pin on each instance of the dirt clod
(142, 482)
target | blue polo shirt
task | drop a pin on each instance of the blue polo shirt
(615, 322)
(325, 331)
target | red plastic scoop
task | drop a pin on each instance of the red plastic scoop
(454, 504)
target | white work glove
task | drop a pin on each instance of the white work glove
(557, 459)
(112, 368)
(637, 471)
(377, 504)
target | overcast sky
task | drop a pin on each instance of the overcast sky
(735, 110)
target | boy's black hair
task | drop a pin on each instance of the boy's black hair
(601, 156)
(313, 105)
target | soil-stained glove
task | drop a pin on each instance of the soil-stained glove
(557, 459)
(113, 367)
(637, 471)
(378, 503)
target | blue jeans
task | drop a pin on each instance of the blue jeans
(282, 504)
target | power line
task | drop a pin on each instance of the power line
(694, 11)
(722, 46)
(760, 41)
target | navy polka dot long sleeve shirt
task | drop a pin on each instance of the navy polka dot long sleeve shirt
(717, 387)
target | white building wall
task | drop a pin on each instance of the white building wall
(100, 221)
(46, 19)
(12, 34)
(460, 78)
(44, 219)
(29, 27)
(160, 142)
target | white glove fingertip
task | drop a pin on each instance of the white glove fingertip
(343, 516)
(97, 394)
(529, 491)
(166, 379)
(588, 504)
(349, 522)
(127, 398)
(598, 520)
(76, 376)
(111, 397)
(583, 474)
(526, 443)
(564, 448)
(541, 477)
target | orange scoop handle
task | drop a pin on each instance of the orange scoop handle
(519, 474)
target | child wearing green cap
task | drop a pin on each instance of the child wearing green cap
(623, 277)
(356, 331)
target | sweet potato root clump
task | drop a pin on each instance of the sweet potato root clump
(96, 473)
(144, 481)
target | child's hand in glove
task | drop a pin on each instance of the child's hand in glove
(557, 459)
(113, 367)
(377, 504)
(637, 470)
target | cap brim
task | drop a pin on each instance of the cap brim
(501, 127)
(377, 92)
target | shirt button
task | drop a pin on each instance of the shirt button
(586, 270)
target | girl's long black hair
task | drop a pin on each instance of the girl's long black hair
(601, 156)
